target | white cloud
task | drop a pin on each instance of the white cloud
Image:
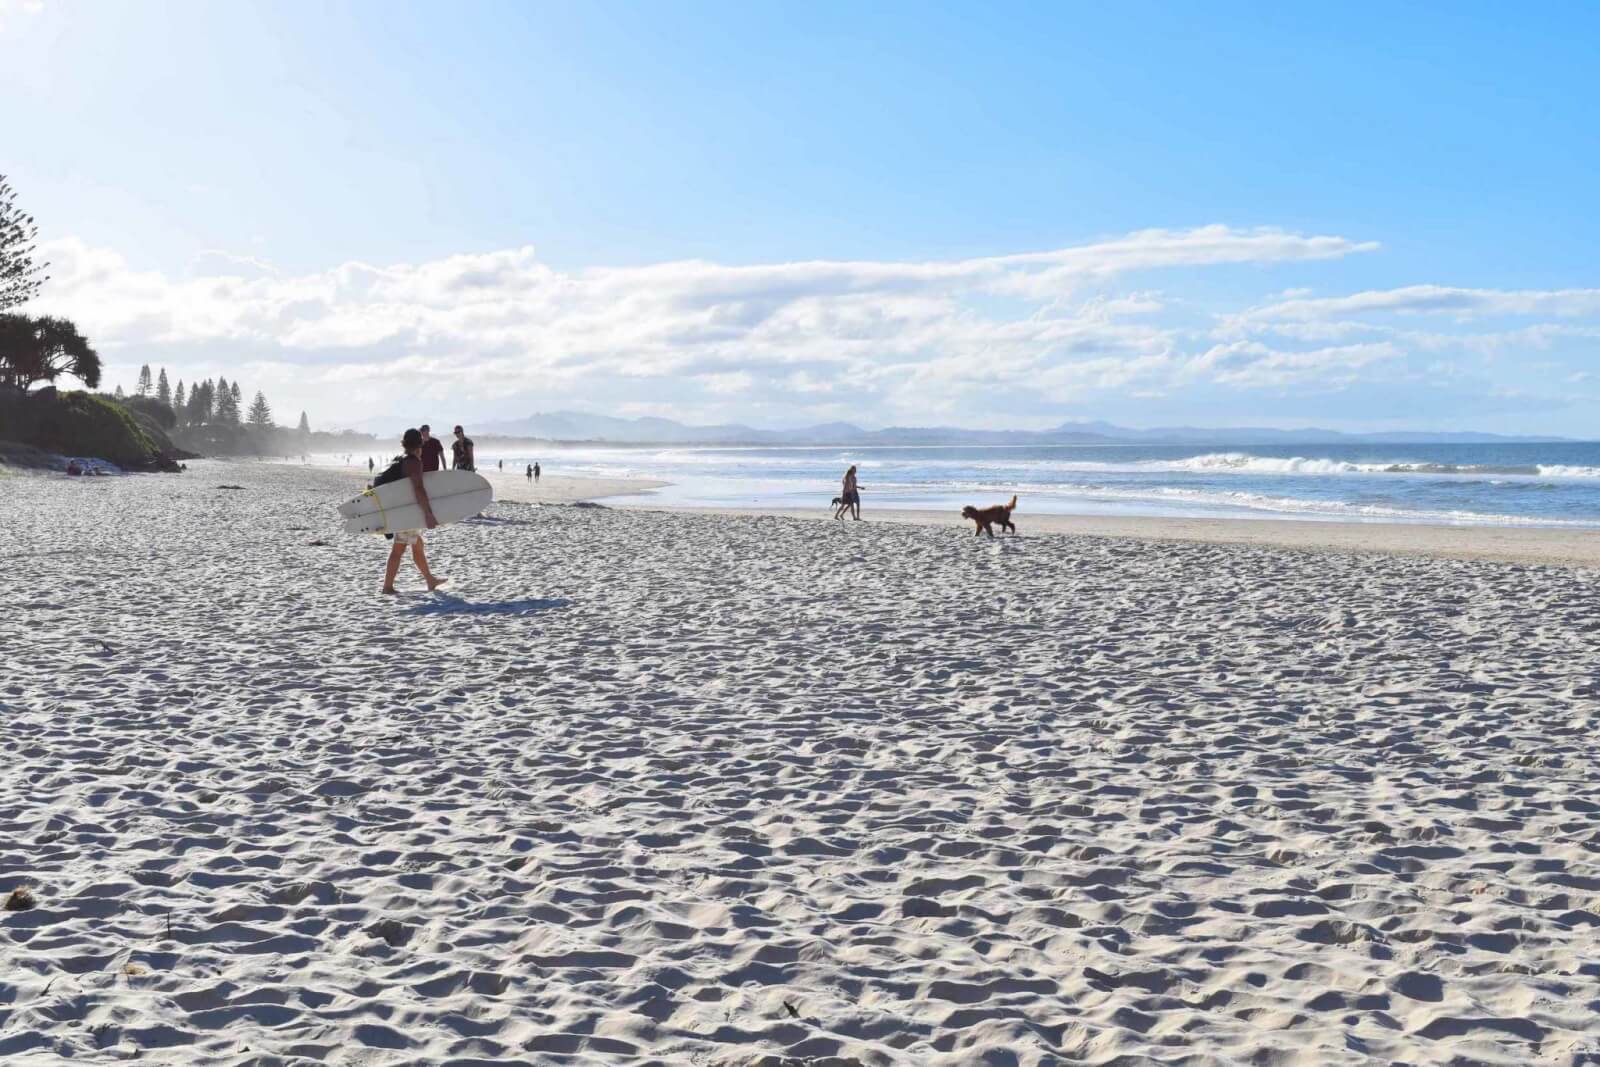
(503, 332)
(1255, 365)
(10, 9)
(1435, 300)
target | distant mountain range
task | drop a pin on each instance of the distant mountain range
(572, 426)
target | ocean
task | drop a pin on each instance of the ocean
(1491, 484)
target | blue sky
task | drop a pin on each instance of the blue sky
(1363, 217)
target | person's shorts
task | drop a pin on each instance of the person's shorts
(407, 537)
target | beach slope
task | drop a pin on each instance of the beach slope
(668, 788)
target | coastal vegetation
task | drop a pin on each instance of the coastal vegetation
(83, 424)
(210, 418)
(152, 429)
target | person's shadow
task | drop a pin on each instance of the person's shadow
(445, 604)
(494, 520)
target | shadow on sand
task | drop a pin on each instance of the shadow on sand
(494, 520)
(445, 604)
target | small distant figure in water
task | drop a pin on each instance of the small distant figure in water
(535, 472)
(500, 464)
(75, 468)
(530, 472)
(411, 467)
(370, 465)
(850, 497)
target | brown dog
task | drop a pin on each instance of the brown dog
(986, 518)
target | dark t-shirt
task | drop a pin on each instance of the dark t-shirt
(432, 454)
(461, 450)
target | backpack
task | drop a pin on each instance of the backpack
(392, 473)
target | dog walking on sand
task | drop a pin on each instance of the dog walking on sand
(985, 519)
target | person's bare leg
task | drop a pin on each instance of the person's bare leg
(396, 550)
(421, 559)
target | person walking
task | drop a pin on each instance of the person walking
(411, 467)
(371, 466)
(850, 496)
(461, 452)
(432, 451)
(530, 472)
(535, 472)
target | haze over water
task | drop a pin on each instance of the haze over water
(1546, 484)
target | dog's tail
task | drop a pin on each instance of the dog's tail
(1013, 505)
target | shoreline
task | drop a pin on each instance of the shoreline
(1536, 545)
(1528, 545)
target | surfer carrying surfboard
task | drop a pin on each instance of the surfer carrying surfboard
(411, 467)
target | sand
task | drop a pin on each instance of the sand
(671, 788)
(1553, 546)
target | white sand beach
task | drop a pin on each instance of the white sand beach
(666, 788)
(1545, 545)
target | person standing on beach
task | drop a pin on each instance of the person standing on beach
(535, 472)
(371, 466)
(530, 472)
(432, 451)
(850, 497)
(461, 452)
(411, 467)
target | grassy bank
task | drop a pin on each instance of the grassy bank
(82, 424)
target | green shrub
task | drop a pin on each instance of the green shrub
(79, 424)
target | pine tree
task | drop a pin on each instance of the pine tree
(260, 413)
(238, 401)
(227, 404)
(119, 394)
(304, 429)
(179, 404)
(164, 390)
(20, 275)
(143, 388)
(199, 406)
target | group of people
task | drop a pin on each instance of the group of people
(432, 455)
(421, 452)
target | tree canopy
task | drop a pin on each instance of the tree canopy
(200, 401)
(42, 349)
(260, 413)
(227, 404)
(20, 276)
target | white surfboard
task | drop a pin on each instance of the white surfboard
(453, 495)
